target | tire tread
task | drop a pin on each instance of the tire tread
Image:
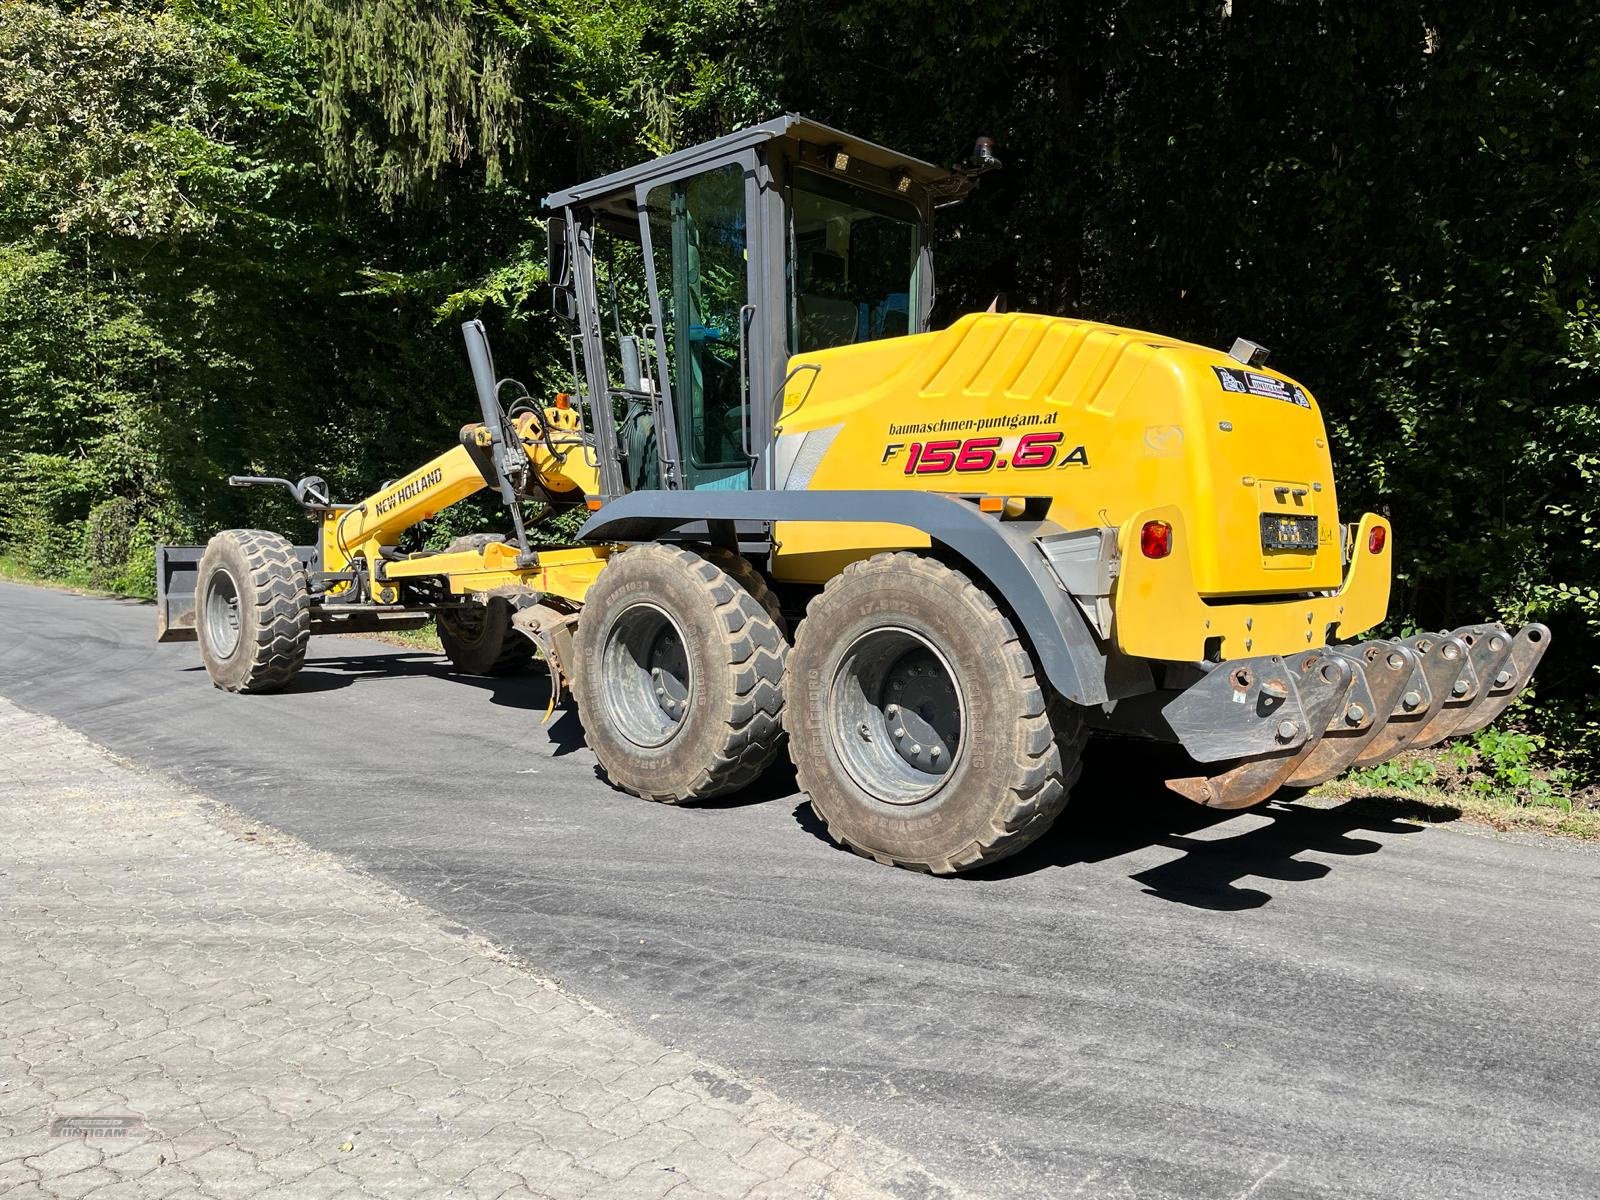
(278, 592)
(1054, 730)
(756, 645)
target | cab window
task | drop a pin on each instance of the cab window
(699, 236)
(853, 264)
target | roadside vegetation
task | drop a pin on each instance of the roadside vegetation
(1498, 776)
(238, 235)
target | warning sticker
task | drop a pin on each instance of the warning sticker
(1234, 380)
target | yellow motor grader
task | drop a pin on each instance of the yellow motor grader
(932, 560)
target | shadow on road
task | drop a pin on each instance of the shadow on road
(1120, 807)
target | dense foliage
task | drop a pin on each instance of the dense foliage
(236, 235)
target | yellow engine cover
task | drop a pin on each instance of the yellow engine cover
(1104, 422)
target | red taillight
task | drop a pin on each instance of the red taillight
(1155, 539)
(1376, 539)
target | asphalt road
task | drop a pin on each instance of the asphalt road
(1153, 1002)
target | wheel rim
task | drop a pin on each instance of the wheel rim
(897, 715)
(648, 686)
(222, 614)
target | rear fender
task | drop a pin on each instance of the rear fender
(1001, 554)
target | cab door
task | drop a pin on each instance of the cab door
(702, 238)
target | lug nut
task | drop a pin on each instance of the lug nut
(916, 747)
(935, 753)
(1411, 699)
(892, 711)
(1460, 689)
(1355, 714)
(1287, 729)
(1502, 679)
(900, 731)
(864, 731)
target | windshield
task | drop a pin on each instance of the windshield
(855, 263)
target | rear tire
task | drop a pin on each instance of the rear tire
(252, 611)
(917, 722)
(753, 581)
(678, 676)
(479, 639)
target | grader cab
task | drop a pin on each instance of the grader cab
(932, 561)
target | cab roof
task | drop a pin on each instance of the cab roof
(789, 126)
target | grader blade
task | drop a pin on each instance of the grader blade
(1319, 682)
(1382, 670)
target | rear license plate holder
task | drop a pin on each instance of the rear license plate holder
(1289, 531)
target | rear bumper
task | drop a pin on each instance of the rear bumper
(1273, 721)
(1161, 615)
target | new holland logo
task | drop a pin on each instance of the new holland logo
(411, 490)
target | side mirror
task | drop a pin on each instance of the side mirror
(557, 266)
(564, 304)
(555, 251)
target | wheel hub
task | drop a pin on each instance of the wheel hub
(466, 624)
(222, 614)
(923, 713)
(669, 672)
(647, 686)
(897, 715)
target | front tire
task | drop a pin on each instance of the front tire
(678, 676)
(252, 611)
(917, 723)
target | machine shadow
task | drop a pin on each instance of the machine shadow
(1120, 806)
(777, 782)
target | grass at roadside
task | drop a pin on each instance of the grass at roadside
(425, 637)
(1440, 807)
(1490, 777)
(13, 570)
